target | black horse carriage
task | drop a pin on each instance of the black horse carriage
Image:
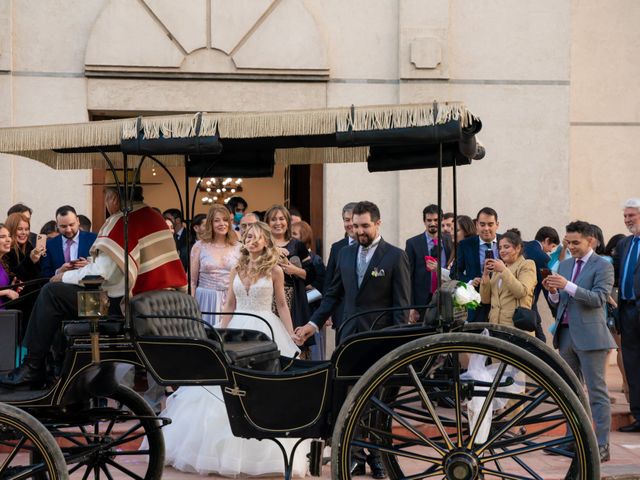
(441, 399)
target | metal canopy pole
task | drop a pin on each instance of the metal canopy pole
(439, 300)
(454, 274)
(126, 208)
(186, 221)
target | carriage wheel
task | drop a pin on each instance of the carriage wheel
(20, 436)
(105, 441)
(414, 407)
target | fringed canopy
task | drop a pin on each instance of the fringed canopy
(79, 146)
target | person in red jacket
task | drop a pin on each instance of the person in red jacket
(153, 265)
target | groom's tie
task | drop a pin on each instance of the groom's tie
(361, 266)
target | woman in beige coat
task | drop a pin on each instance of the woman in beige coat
(508, 282)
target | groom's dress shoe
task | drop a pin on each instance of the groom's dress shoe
(634, 427)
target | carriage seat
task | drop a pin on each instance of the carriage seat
(243, 348)
(170, 306)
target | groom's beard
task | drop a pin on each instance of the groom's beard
(365, 240)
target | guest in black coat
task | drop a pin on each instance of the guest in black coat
(471, 255)
(302, 231)
(348, 239)
(23, 261)
(295, 262)
(426, 244)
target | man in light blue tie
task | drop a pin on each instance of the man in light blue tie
(627, 265)
(581, 289)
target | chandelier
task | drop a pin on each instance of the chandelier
(219, 190)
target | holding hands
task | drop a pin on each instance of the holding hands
(302, 333)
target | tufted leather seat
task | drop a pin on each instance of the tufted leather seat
(244, 348)
(166, 303)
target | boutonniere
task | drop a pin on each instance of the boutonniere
(375, 273)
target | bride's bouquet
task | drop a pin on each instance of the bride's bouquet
(466, 296)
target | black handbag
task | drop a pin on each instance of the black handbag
(525, 319)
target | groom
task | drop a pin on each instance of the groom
(370, 274)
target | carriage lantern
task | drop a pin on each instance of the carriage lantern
(93, 304)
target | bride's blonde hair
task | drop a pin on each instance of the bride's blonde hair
(268, 258)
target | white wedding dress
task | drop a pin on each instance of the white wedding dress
(199, 439)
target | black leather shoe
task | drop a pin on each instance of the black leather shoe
(605, 454)
(357, 469)
(30, 374)
(634, 427)
(377, 468)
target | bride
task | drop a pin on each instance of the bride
(199, 439)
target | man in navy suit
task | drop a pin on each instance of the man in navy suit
(426, 244)
(627, 263)
(472, 253)
(348, 239)
(546, 240)
(70, 249)
(370, 274)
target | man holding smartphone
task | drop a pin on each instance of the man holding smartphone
(473, 251)
(580, 289)
(70, 249)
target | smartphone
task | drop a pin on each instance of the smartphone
(545, 272)
(41, 241)
(488, 255)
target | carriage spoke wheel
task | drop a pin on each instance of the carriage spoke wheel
(421, 408)
(21, 436)
(121, 438)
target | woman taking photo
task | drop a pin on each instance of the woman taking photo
(24, 263)
(508, 282)
(6, 294)
(212, 259)
(295, 261)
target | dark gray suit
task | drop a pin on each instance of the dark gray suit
(332, 265)
(585, 343)
(417, 248)
(386, 283)
(629, 325)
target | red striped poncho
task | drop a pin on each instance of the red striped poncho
(154, 263)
